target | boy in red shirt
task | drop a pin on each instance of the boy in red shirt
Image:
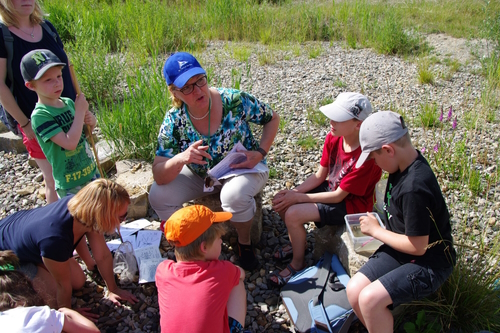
(199, 293)
(336, 189)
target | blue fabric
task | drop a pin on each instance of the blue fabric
(41, 232)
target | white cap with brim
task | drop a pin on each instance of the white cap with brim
(379, 129)
(347, 106)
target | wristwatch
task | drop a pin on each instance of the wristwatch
(262, 151)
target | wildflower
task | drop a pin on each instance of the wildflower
(454, 125)
(450, 113)
(441, 115)
(436, 148)
(422, 150)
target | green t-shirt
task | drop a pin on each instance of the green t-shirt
(70, 168)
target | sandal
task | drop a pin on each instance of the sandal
(279, 280)
(283, 252)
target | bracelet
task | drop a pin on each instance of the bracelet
(29, 121)
(262, 151)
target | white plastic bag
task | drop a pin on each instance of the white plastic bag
(125, 263)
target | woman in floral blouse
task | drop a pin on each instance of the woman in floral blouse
(196, 134)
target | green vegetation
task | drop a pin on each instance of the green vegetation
(118, 49)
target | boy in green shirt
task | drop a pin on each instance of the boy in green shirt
(58, 125)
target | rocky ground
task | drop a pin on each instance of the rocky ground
(295, 84)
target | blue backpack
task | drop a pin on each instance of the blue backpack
(316, 299)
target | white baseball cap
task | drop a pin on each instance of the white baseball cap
(379, 129)
(347, 106)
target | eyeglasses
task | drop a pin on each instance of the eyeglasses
(188, 88)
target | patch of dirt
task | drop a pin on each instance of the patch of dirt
(461, 49)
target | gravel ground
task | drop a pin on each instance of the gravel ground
(296, 85)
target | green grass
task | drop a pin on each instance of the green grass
(425, 75)
(307, 141)
(429, 115)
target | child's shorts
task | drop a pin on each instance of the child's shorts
(330, 214)
(32, 146)
(234, 325)
(61, 193)
(405, 282)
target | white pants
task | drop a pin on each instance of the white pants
(236, 194)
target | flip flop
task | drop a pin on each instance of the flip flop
(282, 280)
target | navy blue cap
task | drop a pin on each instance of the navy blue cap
(35, 63)
(180, 67)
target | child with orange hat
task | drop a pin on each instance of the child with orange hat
(199, 291)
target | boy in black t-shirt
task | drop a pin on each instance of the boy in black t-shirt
(418, 254)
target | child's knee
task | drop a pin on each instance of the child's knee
(292, 218)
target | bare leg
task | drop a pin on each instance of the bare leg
(243, 230)
(373, 302)
(50, 185)
(45, 285)
(356, 284)
(295, 218)
(84, 253)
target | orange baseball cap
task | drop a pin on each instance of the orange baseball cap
(188, 223)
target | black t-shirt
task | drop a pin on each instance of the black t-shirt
(41, 232)
(26, 99)
(414, 206)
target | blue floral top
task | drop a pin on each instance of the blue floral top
(177, 132)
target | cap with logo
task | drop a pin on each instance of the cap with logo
(180, 67)
(347, 106)
(379, 129)
(189, 223)
(35, 63)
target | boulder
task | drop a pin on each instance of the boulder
(212, 201)
(9, 142)
(137, 178)
(335, 239)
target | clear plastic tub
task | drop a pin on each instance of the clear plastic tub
(361, 242)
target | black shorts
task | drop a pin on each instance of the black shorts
(330, 214)
(405, 282)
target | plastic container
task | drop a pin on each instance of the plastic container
(361, 242)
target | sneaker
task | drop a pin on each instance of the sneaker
(248, 261)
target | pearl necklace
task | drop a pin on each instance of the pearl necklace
(205, 115)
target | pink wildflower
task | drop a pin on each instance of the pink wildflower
(441, 115)
(454, 125)
(450, 113)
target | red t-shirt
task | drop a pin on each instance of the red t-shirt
(360, 183)
(193, 295)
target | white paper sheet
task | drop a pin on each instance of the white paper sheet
(147, 269)
(148, 238)
(223, 171)
(148, 252)
(134, 226)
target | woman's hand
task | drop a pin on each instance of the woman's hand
(28, 131)
(253, 158)
(121, 295)
(284, 199)
(196, 153)
(86, 313)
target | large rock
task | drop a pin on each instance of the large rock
(335, 239)
(137, 178)
(107, 155)
(9, 142)
(212, 201)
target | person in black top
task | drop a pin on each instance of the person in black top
(418, 254)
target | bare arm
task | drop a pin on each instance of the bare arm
(285, 198)
(61, 272)
(268, 134)
(414, 245)
(9, 103)
(104, 261)
(69, 141)
(76, 323)
(167, 169)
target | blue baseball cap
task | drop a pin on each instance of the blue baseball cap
(180, 67)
